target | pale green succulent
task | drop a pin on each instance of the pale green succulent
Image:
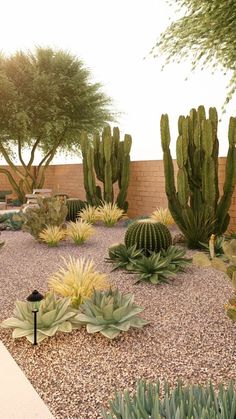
(110, 313)
(54, 315)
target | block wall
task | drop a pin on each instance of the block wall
(146, 188)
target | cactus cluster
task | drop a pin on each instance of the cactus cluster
(148, 235)
(106, 158)
(195, 204)
(74, 206)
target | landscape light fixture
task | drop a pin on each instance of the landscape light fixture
(35, 298)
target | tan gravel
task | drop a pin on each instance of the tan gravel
(189, 336)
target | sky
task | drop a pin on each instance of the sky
(114, 38)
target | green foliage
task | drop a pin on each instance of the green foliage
(176, 257)
(47, 212)
(110, 313)
(123, 257)
(53, 316)
(47, 100)
(218, 246)
(205, 33)
(155, 269)
(148, 235)
(109, 159)
(74, 206)
(195, 204)
(12, 220)
(181, 402)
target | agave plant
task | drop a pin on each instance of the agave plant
(52, 235)
(79, 231)
(163, 215)
(110, 213)
(155, 268)
(123, 256)
(214, 247)
(181, 402)
(110, 313)
(89, 214)
(77, 280)
(54, 315)
(176, 257)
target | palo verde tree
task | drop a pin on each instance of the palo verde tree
(206, 34)
(46, 100)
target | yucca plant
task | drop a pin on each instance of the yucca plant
(89, 214)
(79, 231)
(52, 235)
(123, 256)
(163, 215)
(77, 280)
(110, 313)
(176, 257)
(181, 402)
(54, 315)
(154, 268)
(110, 214)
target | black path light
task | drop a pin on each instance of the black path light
(35, 298)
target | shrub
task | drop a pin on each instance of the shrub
(148, 235)
(110, 313)
(74, 206)
(182, 402)
(89, 214)
(53, 316)
(79, 231)
(77, 280)
(163, 215)
(123, 257)
(110, 213)
(52, 235)
(47, 212)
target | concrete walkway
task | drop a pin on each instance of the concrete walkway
(18, 398)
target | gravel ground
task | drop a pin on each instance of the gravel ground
(189, 336)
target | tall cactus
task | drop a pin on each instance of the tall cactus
(195, 205)
(109, 159)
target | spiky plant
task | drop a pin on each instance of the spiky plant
(89, 214)
(218, 250)
(123, 257)
(54, 315)
(110, 313)
(110, 214)
(52, 235)
(79, 231)
(181, 402)
(77, 280)
(176, 257)
(154, 269)
(163, 215)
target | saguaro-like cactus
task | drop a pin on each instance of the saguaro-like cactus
(109, 159)
(195, 204)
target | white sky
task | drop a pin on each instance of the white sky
(112, 37)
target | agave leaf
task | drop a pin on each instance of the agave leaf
(40, 337)
(47, 318)
(13, 322)
(138, 322)
(65, 327)
(62, 307)
(93, 328)
(119, 313)
(154, 279)
(107, 311)
(123, 326)
(19, 333)
(22, 310)
(110, 332)
(135, 310)
(83, 318)
(66, 316)
(49, 332)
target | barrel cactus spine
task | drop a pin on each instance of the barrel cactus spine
(148, 235)
(74, 206)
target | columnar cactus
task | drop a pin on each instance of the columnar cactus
(195, 204)
(109, 159)
(148, 235)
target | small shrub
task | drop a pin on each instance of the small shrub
(163, 215)
(110, 313)
(89, 214)
(79, 231)
(52, 235)
(77, 280)
(110, 214)
(53, 316)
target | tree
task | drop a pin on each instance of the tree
(206, 33)
(46, 101)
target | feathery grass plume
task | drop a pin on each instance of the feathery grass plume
(110, 213)
(77, 280)
(163, 215)
(89, 214)
(52, 235)
(79, 231)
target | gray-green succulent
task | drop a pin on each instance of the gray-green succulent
(176, 256)
(54, 315)
(155, 269)
(183, 402)
(124, 257)
(110, 313)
